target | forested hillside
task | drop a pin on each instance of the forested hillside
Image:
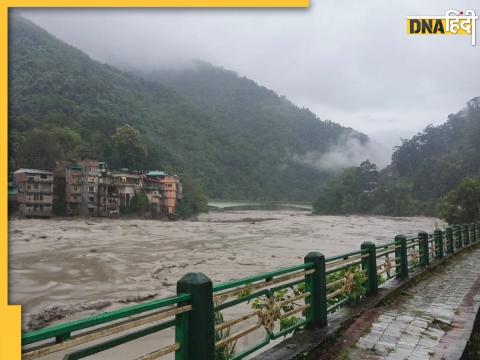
(423, 171)
(238, 139)
(436, 159)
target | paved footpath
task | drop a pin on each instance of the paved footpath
(426, 321)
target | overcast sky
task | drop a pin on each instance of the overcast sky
(348, 61)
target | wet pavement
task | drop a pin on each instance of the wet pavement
(428, 321)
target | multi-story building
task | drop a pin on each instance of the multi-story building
(108, 196)
(127, 184)
(154, 190)
(35, 192)
(73, 189)
(164, 190)
(90, 170)
(85, 187)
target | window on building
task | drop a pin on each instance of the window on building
(30, 178)
(43, 176)
(35, 186)
(91, 189)
(91, 199)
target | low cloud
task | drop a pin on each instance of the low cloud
(347, 152)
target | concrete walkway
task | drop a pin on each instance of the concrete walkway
(430, 320)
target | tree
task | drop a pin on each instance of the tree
(130, 148)
(462, 204)
(138, 204)
(194, 200)
(42, 147)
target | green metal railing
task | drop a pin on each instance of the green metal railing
(72, 334)
(204, 319)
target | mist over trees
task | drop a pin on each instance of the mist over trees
(435, 172)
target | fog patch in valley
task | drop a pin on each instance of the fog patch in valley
(347, 152)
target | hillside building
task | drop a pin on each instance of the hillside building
(108, 196)
(86, 187)
(35, 192)
(127, 184)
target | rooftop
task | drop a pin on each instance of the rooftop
(33, 171)
(156, 173)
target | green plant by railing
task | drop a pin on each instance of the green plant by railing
(346, 292)
(284, 296)
(277, 303)
(225, 352)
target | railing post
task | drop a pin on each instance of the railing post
(466, 235)
(316, 284)
(458, 237)
(200, 332)
(369, 264)
(423, 248)
(473, 233)
(401, 253)
(477, 227)
(449, 237)
(438, 238)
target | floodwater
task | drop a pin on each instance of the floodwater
(61, 269)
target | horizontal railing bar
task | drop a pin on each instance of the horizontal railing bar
(385, 246)
(335, 293)
(163, 351)
(346, 261)
(345, 256)
(103, 332)
(338, 304)
(334, 270)
(385, 253)
(240, 300)
(56, 330)
(295, 311)
(254, 278)
(295, 298)
(289, 329)
(230, 323)
(336, 282)
(254, 348)
(94, 349)
(237, 335)
(290, 284)
(238, 291)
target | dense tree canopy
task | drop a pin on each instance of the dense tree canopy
(238, 139)
(424, 169)
(129, 148)
(462, 204)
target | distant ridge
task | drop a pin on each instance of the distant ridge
(238, 139)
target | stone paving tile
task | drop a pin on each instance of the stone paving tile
(414, 325)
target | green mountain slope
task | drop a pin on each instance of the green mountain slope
(272, 123)
(242, 145)
(423, 171)
(436, 159)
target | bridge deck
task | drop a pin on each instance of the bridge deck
(431, 320)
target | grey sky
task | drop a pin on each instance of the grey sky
(349, 61)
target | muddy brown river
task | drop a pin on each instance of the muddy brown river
(62, 269)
